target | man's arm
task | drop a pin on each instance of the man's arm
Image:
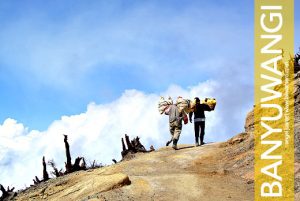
(190, 116)
(206, 107)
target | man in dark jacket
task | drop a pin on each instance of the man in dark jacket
(199, 120)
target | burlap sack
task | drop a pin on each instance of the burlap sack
(163, 104)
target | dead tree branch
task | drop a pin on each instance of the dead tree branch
(129, 145)
(69, 166)
(95, 165)
(36, 180)
(55, 170)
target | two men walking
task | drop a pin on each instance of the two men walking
(175, 121)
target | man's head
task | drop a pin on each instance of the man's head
(197, 100)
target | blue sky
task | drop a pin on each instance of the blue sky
(56, 57)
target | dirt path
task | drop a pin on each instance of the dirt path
(191, 173)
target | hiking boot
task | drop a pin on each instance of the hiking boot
(175, 147)
(197, 141)
(175, 144)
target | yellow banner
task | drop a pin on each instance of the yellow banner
(274, 100)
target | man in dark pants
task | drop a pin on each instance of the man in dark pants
(199, 120)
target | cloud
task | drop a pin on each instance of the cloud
(96, 133)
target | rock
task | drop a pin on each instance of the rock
(80, 186)
(297, 142)
(236, 140)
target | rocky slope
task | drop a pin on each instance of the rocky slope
(249, 127)
(297, 116)
(191, 173)
(297, 135)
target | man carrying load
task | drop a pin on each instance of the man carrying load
(175, 123)
(199, 117)
(175, 119)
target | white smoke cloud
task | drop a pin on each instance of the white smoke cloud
(96, 133)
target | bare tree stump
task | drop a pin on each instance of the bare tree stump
(138, 145)
(123, 145)
(124, 150)
(129, 145)
(76, 166)
(45, 173)
(133, 147)
(69, 166)
(68, 155)
(95, 165)
(7, 194)
(36, 180)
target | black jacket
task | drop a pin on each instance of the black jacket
(199, 111)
